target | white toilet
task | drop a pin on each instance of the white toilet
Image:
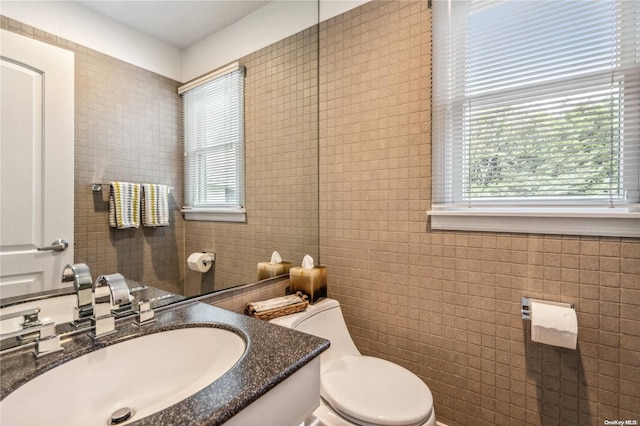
(357, 389)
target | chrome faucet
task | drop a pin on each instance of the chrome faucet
(83, 283)
(109, 291)
(47, 340)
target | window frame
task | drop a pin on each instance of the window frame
(527, 215)
(223, 212)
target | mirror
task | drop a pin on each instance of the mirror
(128, 128)
(281, 169)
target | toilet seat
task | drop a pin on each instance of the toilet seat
(372, 391)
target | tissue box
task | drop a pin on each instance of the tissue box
(310, 282)
(270, 270)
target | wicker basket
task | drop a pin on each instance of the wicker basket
(278, 312)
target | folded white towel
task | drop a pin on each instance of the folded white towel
(124, 205)
(277, 302)
(155, 205)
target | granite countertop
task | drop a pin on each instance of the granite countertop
(273, 353)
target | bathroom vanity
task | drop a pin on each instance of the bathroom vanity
(276, 379)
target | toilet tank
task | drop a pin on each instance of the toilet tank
(323, 319)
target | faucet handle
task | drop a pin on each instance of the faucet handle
(145, 313)
(49, 340)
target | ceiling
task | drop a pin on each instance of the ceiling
(179, 23)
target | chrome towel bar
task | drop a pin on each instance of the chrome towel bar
(98, 187)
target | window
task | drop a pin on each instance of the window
(213, 108)
(536, 116)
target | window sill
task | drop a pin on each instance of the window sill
(215, 215)
(596, 222)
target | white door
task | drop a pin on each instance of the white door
(36, 159)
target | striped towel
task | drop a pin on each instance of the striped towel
(124, 205)
(155, 205)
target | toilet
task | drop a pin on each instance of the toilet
(356, 389)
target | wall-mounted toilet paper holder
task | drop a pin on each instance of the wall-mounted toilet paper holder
(525, 306)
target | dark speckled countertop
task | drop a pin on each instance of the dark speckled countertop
(273, 353)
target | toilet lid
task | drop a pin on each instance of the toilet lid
(372, 391)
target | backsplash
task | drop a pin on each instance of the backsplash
(446, 304)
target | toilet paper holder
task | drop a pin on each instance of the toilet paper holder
(525, 306)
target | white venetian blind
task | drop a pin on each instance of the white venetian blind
(213, 109)
(536, 103)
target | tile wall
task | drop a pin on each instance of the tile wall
(281, 154)
(446, 304)
(127, 128)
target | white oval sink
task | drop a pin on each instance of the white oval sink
(146, 374)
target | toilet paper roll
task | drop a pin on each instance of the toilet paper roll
(554, 325)
(200, 262)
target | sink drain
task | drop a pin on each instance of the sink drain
(121, 416)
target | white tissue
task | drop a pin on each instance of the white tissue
(275, 258)
(307, 262)
(554, 325)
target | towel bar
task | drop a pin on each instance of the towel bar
(97, 187)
